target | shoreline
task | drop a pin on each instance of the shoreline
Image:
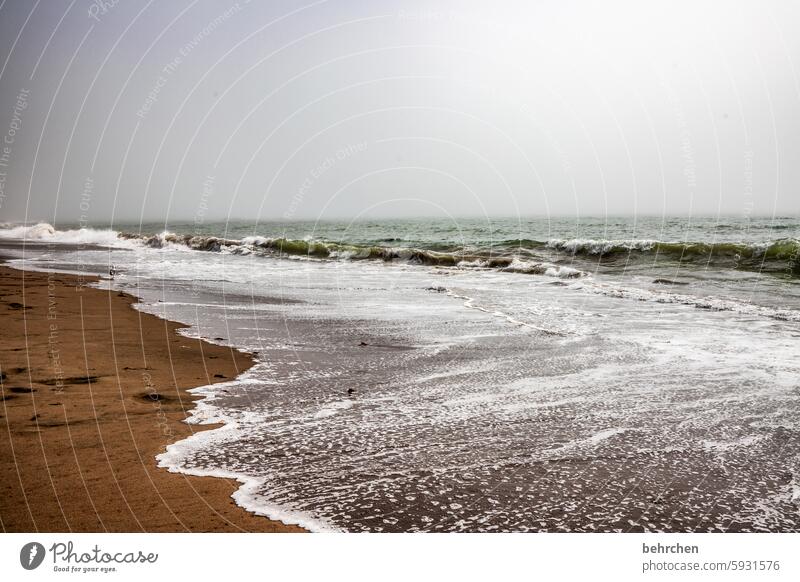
(92, 391)
(247, 484)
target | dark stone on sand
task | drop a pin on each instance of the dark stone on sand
(154, 397)
(15, 305)
(219, 376)
(363, 344)
(219, 339)
(21, 390)
(70, 380)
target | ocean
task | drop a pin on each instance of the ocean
(537, 374)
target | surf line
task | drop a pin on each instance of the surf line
(470, 303)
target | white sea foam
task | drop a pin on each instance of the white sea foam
(588, 442)
(333, 408)
(596, 247)
(548, 269)
(246, 496)
(744, 442)
(472, 304)
(527, 267)
(455, 442)
(44, 232)
(35, 232)
(708, 302)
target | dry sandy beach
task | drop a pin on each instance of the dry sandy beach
(92, 391)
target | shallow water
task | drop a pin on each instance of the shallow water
(397, 396)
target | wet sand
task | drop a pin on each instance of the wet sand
(92, 391)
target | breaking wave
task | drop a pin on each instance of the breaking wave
(355, 252)
(783, 249)
(518, 256)
(780, 255)
(525, 256)
(44, 232)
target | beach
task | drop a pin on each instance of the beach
(92, 391)
(546, 382)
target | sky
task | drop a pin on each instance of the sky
(123, 111)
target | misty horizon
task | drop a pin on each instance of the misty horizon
(339, 111)
(385, 218)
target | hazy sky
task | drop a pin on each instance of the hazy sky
(330, 109)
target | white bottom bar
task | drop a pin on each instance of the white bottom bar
(356, 557)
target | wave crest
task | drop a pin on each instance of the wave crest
(46, 232)
(526, 256)
(778, 249)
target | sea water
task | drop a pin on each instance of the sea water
(484, 375)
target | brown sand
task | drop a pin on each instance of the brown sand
(77, 453)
